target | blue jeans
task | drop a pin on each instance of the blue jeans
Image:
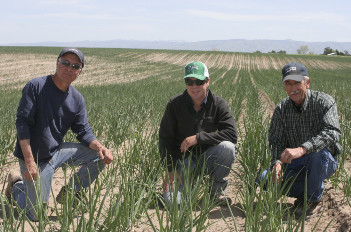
(68, 154)
(219, 160)
(318, 167)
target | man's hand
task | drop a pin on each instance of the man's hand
(170, 181)
(292, 153)
(188, 142)
(31, 166)
(104, 153)
(31, 170)
(276, 172)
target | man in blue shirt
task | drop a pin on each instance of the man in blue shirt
(49, 107)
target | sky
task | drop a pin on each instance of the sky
(29, 21)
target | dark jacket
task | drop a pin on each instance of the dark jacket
(212, 125)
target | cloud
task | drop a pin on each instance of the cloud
(225, 17)
(82, 16)
(59, 2)
(296, 17)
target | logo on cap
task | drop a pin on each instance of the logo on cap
(191, 67)
(290, 69)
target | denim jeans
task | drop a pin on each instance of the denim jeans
(219, 160)
(68, 154)
(318, 167)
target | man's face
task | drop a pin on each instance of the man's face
(66, 73)
(197, 92)
(297, 91)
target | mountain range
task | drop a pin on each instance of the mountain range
(233, 45)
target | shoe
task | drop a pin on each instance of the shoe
(298, 202)
(218, 198)
(313, 209)
(12, 179)
(60, 198)
(168, 198)
(221, 200)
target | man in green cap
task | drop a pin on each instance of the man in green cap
(197, 126)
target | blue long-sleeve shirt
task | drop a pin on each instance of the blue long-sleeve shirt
(45, 114)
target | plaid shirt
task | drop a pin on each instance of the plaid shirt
(314, 125)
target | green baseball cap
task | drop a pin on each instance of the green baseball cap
(197, 70)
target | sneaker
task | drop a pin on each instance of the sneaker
(60, 198)
(12, 179)
(313, 209)
(168, 198)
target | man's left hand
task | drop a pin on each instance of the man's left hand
(188, 142)
(104, 153)
(292, 153)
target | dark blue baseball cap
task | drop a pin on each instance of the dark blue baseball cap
(294, 71)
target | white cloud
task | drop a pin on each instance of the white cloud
(296, 17)
(74, 16)
(58, 2)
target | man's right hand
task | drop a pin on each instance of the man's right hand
(31, 166)
(31, 171)
(276, 172)
(188, 142)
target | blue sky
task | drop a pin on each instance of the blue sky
(30, 21)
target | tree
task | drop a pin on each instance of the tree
(328, 50)
(346, 53)
(303, 49)
(282, 52)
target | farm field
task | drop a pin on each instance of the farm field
(126, 91)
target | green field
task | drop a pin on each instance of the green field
(126, 91)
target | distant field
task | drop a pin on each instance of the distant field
(126, 91)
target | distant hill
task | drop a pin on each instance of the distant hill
(234, 45)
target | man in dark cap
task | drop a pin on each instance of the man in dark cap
(303, 138)
(49, 107)
(197, 126)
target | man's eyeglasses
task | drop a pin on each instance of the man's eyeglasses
(67, 64)
(198, 82)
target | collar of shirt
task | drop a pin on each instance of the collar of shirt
(202, 105)
(307, 99)
(52, 83)
(303, 107)
(205, 100)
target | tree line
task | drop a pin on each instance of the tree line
(304, 50)
(327, 51)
